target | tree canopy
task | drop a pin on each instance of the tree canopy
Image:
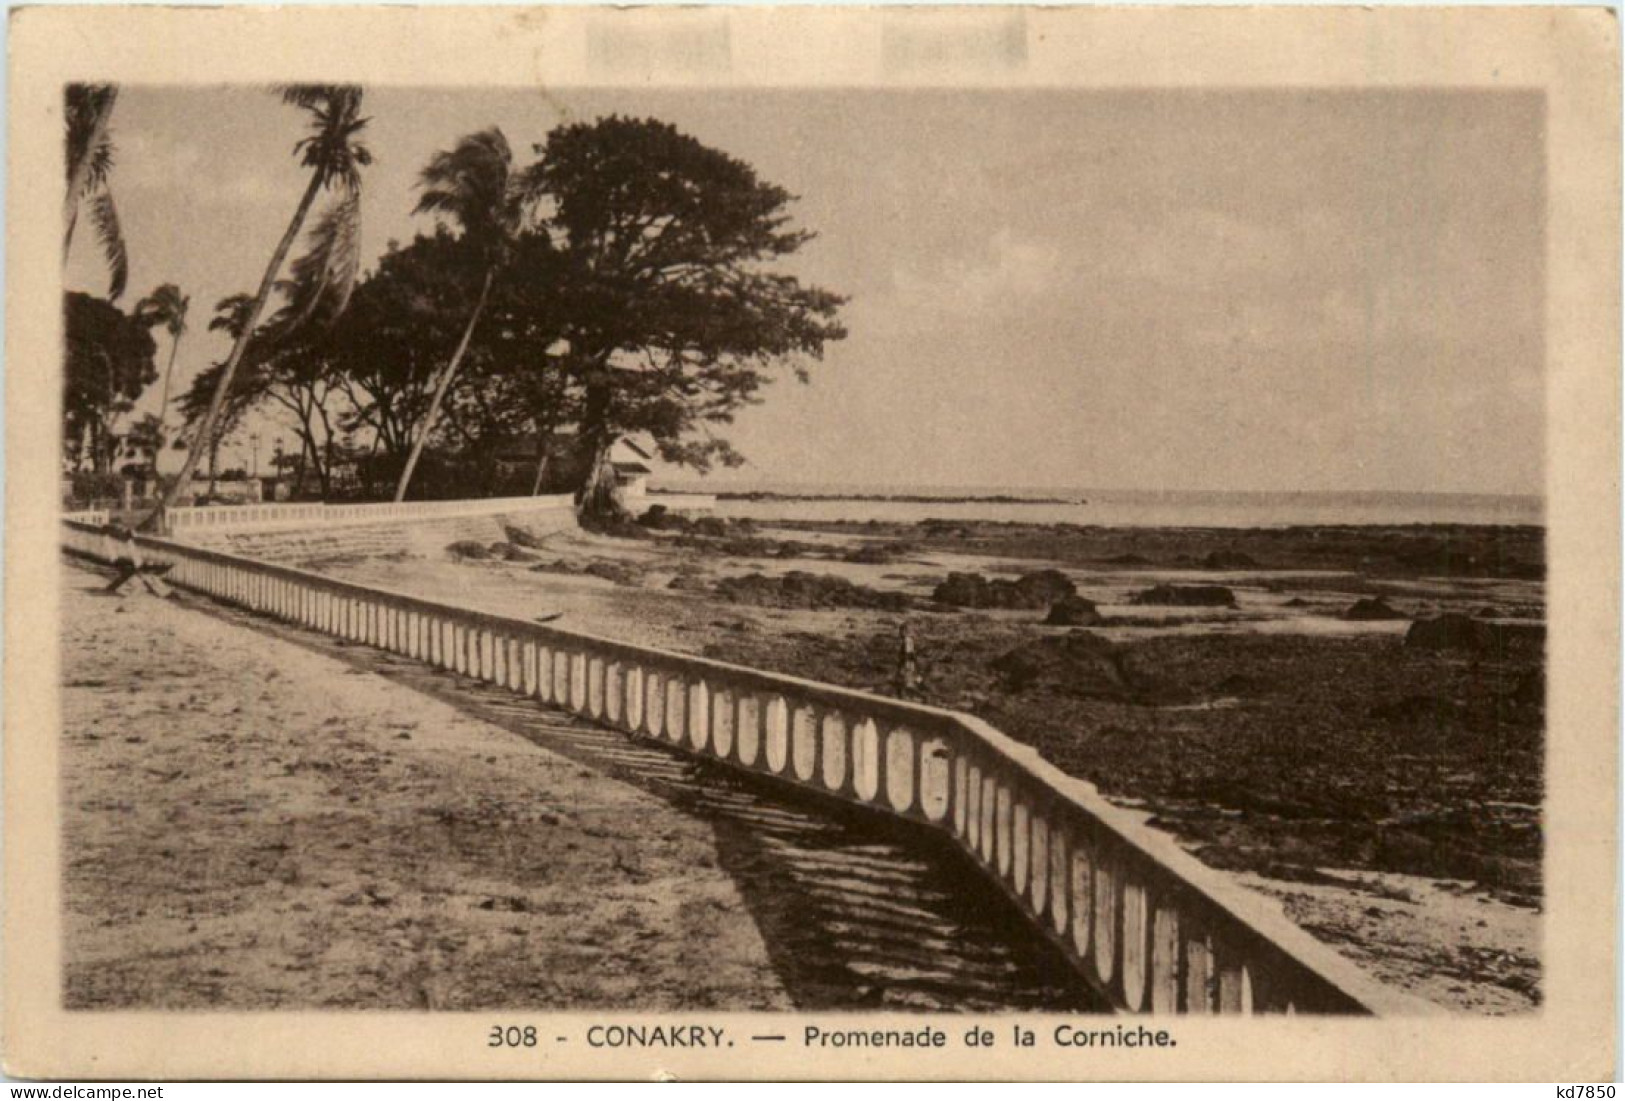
(108, 361)
(629, 281)
(675, 315)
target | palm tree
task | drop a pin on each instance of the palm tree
(335, 155)
(165, 306)
(89, 113)
(473, 185)
(231, 315)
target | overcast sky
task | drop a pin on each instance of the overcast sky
(1255, 290)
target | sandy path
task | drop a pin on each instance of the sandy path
(262, 816)
(369, 846)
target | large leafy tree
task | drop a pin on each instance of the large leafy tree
(522, 367)
(470, 185)
(144, 440)
(165, 308)
(322, 279)
(88, 110)
(400, 330)
(107, 363)
(677, 315)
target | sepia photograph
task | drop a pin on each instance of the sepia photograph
(638, 552)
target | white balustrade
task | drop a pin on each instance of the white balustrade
(1151, 928)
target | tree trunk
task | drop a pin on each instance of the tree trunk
(298, 474)
(441, 387)
(541, 466)
(98, 446)
(597, 497)
(323, 470)
(214, 465)
(223, 387)
(163, 399)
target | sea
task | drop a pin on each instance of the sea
(1115, 507)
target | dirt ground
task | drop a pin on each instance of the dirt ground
(261, 817)
(253, 825)
(1232, 727)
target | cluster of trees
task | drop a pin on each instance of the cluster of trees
(623, 282)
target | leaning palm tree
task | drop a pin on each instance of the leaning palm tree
(335, 155)
(89, 113)
(231, 315)
(165, 306)
(471, 184)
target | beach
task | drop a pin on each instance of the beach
(1232, 726)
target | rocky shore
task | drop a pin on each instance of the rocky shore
(1351, 719)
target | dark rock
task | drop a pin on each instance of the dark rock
(1296, 602)
(520, 537)
(468, 548)
(1073, 611)
(1188, 596)
(1033, 590)
(1372, 609)
(799, 589)
(660, 518)
(1451, 631)
(508, 552)
(1229, 560)
(618, 572)
(876, 554)
(1129, 560)
(1079, 663)
(617, 525)
(1454, 631)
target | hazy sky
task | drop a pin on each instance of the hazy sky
(1240, 290)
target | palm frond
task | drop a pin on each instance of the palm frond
(309, 97)
(320, 280)
(105, 216)
(231, 314)
(100, 166)
(165, 306)
(473, 185)
(87, 108)
(332, 147)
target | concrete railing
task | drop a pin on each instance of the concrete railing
(183, 521)
(1150, 927)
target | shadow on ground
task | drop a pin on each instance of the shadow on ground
(856, 913)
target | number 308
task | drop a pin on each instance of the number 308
(512, 1036)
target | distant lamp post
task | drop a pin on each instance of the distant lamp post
(253, 454)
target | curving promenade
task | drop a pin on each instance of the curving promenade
(1147, 927)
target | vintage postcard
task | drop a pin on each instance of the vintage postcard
(979, 543)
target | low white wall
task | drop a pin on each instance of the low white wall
(287, 517)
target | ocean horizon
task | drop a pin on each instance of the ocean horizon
(828, 501)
